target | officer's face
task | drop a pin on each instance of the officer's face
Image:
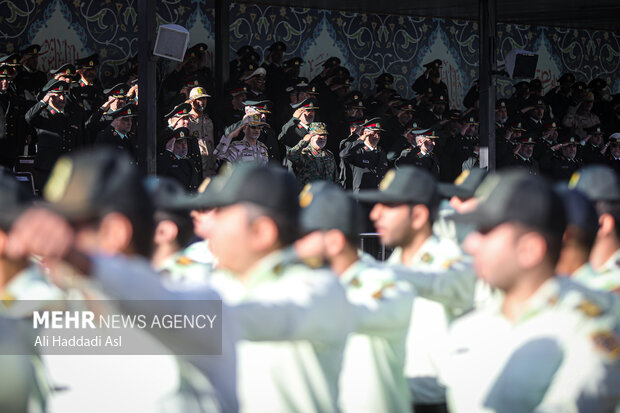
(596, 140)
(426, 144)
(538, 112)
(318, 141)
(495, 258)
(179, 122)
(237, 100)
(58, 100)
(253, 132)
(393, 223)
(307, 116)
(551, 135)
(526, 150)
(501, 115)
(569, 151)
(354, 113)
(180, 147)
(312, 245)
(199, 104)
(4, 85)
(231, 237)
(88, 74)
(439, 108)
(123, 125)
(615, 150)
(371, 137)
(404, 117)
(276, 56)
(203, 222)
(257, 83)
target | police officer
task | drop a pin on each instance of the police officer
(174, 160)
(310, 159)
(118, 134)
(59, 129)
(406, 206)
(543, 326)
(267, 135)
(374, 354)
(13, 128)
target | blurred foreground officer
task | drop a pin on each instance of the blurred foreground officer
(406, 207)
(548, 344)
(602, 185)
(105, 232)
(310, 159)
(372, 373)
(294, 320)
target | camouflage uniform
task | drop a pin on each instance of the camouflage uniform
(312, 165)
(202, 129)
(241, 151)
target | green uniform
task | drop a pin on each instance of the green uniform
(311, 165)
(181, 269)
(607, 278)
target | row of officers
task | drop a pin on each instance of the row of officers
(522, 316)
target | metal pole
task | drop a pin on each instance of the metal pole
(222, 45)
(488, 68)
(147, 88)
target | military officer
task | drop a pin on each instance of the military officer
(30, 80)
(523, 155)
(602, 186)
(436, 114)
(13, 128)
(406, 206)
(201, 125)
(565, 161)
(367, 161)
(249, 148)
(592, 146)
(310, 159)
(88, 92)
(180, 117)
(59, 129)
(541, 326)
(297, 127)
(431, 79)
(174, 160)
(116, 99)
(375, 352)
(422, 155)
(268, 135)
(118, 134)
(233, 110)
(274, 80)
(612, 153)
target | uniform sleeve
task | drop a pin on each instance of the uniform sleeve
(347, 153)
(294, 154)
(225, 151)
(314, 308)
(287, 136)
(33, 115)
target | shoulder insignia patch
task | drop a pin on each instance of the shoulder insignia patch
(589, 308)
(313, 262)
(354, 282)
(379, 294)
(427, 258)
(608, 343)
(184, 260)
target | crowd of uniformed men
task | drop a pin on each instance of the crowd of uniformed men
(500, 293)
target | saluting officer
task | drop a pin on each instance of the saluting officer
(249, 148)
(13, 128)
(174, 161)
(431, 79)
(422, 154)
(310, 159)
(88, 92)
(59, 129)
(118, 133)
(30, 80)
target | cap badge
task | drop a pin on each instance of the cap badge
(462, 177)
(59, 180)
(387, 180)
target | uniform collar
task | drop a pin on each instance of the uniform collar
(369, 147)
(122, 135)
(612, 263)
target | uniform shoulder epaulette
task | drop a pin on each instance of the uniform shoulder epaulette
(590, 308)
(608, 343)
(185, 260)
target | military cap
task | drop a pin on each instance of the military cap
(358, 104)
(198, 92)
(256, 120)
(518, 197)
(455, 114)
(517, 126)
(88, 62)
(404, 185)
(56, 86)
(550, 124)
(567, 78)
(385, 79)
(464, 185)
(308, 104)
(439, 99)
(87, 184)
(277, 47)
(536, 84)
(297, 85)
(331, 62)
(259, 71)
(261, 106)
(177, 134)
(539, 102)
(66, 69)
(407, 106)
(183, 109)
(414, 127)
(597, 83)
(501, 103)
(125, 111)
(117, 91)
(14, 199)
(580, 211)
(196, 50)
(318, 128)
(10, 60)
(270, 187)
(614, 138)
(598, 182)
(472, 120)
(594, 130)
(6, 71)
(325, 206)
(569, 139)
(193, 81)
(429, 133)
(356, 122)
(522, 85)
(32, 49)
(579, 85)
(435, 63)
(374, 124)
(527, 138)
(237, 90)
(244, 50)
(295, 61)
(312, 90)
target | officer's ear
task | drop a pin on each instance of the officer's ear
(166, 232)
(115, 233)
(420, 216)
(335, 242)
(3, 241)
(263, 233)
(606, 226)
(531, 250)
